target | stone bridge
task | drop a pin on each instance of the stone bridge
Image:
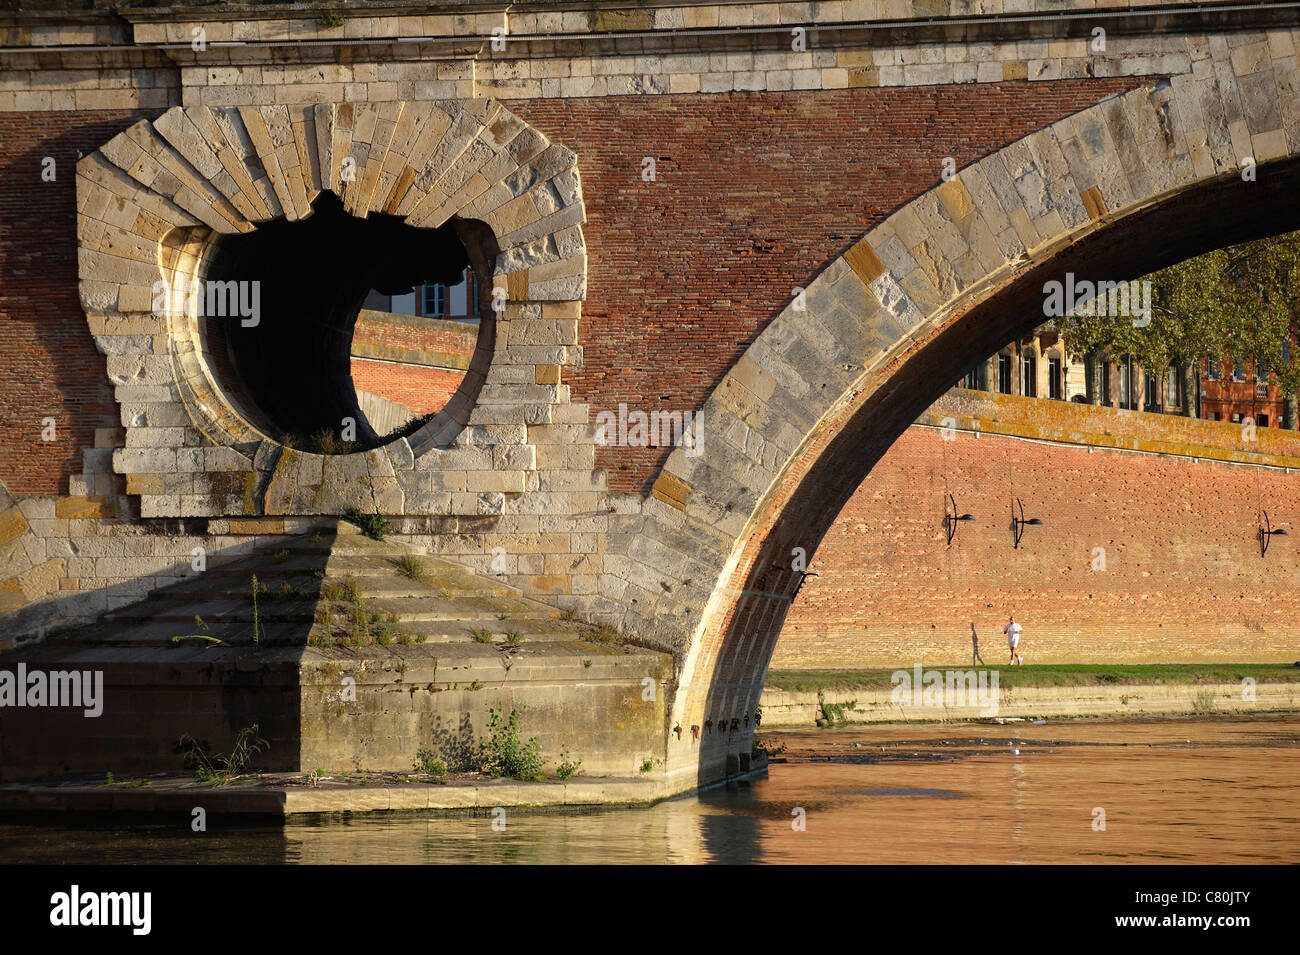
(799, 223)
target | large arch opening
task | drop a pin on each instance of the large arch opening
(288, 368)
(735, 652)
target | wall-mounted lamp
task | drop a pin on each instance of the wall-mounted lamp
(950, 518)
(803, 576)
(1265, 533)
(1019, 523)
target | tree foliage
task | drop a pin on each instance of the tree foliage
(1241, 300)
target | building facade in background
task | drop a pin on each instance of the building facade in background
(1231, 388)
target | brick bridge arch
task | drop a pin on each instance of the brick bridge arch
(1137, 182)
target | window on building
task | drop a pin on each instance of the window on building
(1055, 389)
(1239, 368)
(1262, 420)
(1029, 375)
(1286, 351)
(1173, 388)
(433, 299)
(459, 301)
(1004, 374)
(1236, 417)
(1105, 384)
(1211, 416)
(1212, 369)
(1127, 394)
(1152, 397)
(970, 380)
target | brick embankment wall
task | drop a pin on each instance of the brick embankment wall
(418, 363)
(1140, 558)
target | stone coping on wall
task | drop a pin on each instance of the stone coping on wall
(401, 58)
(288, 794)
(172, 23)
(1098, 426)
(783, 708)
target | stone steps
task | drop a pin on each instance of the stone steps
(444, 608)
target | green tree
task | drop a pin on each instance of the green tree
(1241, 300)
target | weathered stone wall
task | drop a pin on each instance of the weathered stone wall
(590, 701)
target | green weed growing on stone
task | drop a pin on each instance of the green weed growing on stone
(216, 767)
(481, 636)
(513, 638)
(408, 565)
(198, 622)
(372, 525)
(567, 765)
(427, 763)
(605, 634)
(280, 557)
(503, 754)
(833, 714)
(344, 591)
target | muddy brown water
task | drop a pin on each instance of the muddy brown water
(1206, 790)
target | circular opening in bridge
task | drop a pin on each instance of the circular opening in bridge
(335, 334)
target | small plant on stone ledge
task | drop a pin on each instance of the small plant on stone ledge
(605, 634)
(408, 565)
(331, 21)
(218, 768)
(503, 754)
(198, 622)
(568, 766)
(428, 764)
(344, 591)
(481, 636)
(372, 525)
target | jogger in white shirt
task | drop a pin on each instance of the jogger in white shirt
(1012, 630)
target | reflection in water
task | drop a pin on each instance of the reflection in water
(1201, 790)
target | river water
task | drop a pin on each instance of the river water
(1210, 790)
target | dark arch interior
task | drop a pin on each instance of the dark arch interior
(290, 373)
(1199, 220)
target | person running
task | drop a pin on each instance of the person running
(1012, 630)
(975, 646)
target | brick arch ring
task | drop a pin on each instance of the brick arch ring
(153, 203)
(925, 288)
